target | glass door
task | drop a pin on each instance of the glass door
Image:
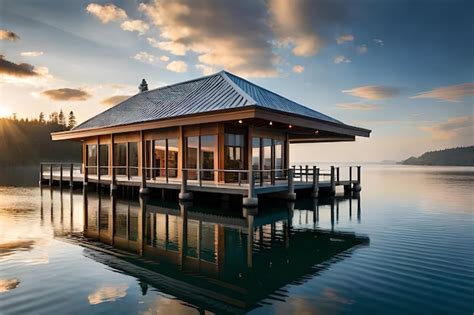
(208, 148)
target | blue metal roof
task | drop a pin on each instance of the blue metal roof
(216, 92)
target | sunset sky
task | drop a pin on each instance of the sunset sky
(404, 69)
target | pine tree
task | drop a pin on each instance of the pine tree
(41, 118)
(71, 120)
(53, 118)
(61, 118)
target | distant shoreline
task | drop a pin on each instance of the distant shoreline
(461, 156)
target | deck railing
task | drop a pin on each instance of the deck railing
(201, 177)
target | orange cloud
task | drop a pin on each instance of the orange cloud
(108, 294)
(106, 13)
(373, 92)
(298, 69)
(177, 66)
(451, 93)
(357, 106)
(344, 38)
(454, 127)
(8, 35)
(66, 94)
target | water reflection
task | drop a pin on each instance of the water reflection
(217, 260)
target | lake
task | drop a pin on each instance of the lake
(403, 246)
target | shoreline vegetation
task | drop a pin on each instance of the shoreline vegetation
(25, 142)
(460, 156)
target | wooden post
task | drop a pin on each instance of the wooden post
(41, 174)
(301, 173)
(71, 175)
(143, 188)
(184, 194)
(350, 176)
(51, 174)
(357, 186)
(307, 173)
(358, 175)
(315, 191)
(250, 201)
(61, 176)
(86, 173)
(333, 182)
(291, 195)
(337, 175)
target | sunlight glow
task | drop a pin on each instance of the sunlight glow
(5, 112)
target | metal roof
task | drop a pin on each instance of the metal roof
(216, 92)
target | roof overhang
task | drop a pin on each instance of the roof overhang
(249, 112)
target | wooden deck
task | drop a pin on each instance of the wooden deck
(297, 179)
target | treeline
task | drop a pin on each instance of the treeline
(461, 156)
(28, 141)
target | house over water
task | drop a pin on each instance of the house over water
(219, 133)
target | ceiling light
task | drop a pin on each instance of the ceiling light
(271, 123)
(240, 121)
(316, 132)
(290, 126)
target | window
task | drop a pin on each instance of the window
(256, 156)
(104, 159)
(279, 158)
(173, 157)
(92, 159)
(267, 157)
(234, 146)
(160, 160)
(133, 158)
(192, 144)
(208, 147)
(120, 158)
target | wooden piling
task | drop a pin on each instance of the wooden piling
(61, 176)
(251, 200)
(50, 174)
(306, 173)
(315, 191)
(41, 174)
(333, 181)
(71, 176)
(184, 194)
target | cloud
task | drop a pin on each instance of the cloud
(8, 35)
(108, 294)
(299, 23)
(106, 13)
(298, 69)
(177, 66)
(144, 57)
(114, 100)
(454, 127)
(135, 26)
(31, 53)
(206, 70)
(357, 106)
(362, 49)
(66, 94)
(16, 70)
(451, 93)
(239, 40)
(344, 38)
(341, 59)
(378, 41)
(164, 58)
(373, 92)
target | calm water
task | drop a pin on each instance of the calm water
(406, 246)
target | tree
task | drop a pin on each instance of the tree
(53, 118)
(41, 118)
(61, 118)
(71, 120)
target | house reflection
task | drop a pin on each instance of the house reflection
(211, 259)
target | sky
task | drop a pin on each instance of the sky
(404, 69)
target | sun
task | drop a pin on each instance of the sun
(4, 112)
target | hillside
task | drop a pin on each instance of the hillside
(29, 143)
(462, 156)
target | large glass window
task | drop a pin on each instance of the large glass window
(160, 158)
(234, 146)
(133, 158)
(173, 157)
(92, 159)
(192, 144)
(208, 147)
(120, 158)
(267, 157)
(278, 158)
(256, 156)
(104, 159)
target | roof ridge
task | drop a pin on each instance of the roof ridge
(244, 94)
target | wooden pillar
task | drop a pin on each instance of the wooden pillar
(86, 174)
(287, 154)
(113, 171)
(143, 188)
(71, 176)
(307, 173)
(61, 176)
(251, 200)
(357, 186)
(51, 174)
(41, 174)
(315, 192)
(337, 175)
(333, 181)
(98, 161)
(301, 173)
(184, 194)
(291, 195)
(220, 151)
(249, 146)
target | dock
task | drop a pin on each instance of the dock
(249, 184)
